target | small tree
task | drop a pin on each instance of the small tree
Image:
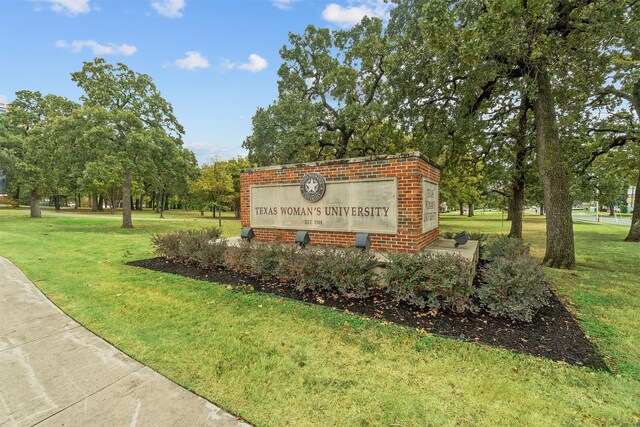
(214, 185)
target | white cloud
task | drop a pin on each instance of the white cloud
(355, 11)
(70, 7)
(97, 48)
(192, 61)
(283, 4)
(169, 8)
(256, 64)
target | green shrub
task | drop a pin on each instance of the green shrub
(184, 245)
(212, 254)
(437, 281)
(351, 271)
(292, 265)
(265, 260)
(314, 274)
(191, 244)
(513, 287)
(238, 258)
(166, 245)
(505, 247)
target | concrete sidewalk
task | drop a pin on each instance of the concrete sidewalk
(53, 371)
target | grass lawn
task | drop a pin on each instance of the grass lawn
(278, 362)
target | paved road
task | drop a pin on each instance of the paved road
(603, 219)
(53, 371)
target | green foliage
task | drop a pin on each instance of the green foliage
(34, 145)
(266, 258)
(352, 270)
(513, 287)
(214, 185)
(189, 245)
(331, 101)
(124, 117)
(437, 281)
(238, 258)
(505, 247)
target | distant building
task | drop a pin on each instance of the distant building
(631, 196)
(3, 107)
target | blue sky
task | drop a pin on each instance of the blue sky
(215, 61)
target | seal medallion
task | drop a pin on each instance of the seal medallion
(312, 186)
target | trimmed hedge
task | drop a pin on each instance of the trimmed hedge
(350, 272)
(437, 281)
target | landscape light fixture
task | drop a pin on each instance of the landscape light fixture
(461, 238)
(247, 234)
(302, 238)
(363, 241)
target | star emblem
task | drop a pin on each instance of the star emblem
(312, 185)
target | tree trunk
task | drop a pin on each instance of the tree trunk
(510, 209)
(461, 209)
(94, 204)
(219, 216)
(56, 202)
(634, 231)
(470, 214)
(100, 203)
(237, 207)
(126, 201)
(517, 199)
(541, 209)
(612, 210)
(517, 206)
(34, 203)
(560, 251)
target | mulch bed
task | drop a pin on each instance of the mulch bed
(554, 332)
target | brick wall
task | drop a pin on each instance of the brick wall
(408, 168)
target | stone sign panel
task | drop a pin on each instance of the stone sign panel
(430, 209)
(369, 205)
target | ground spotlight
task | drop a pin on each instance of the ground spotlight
(461, 238)
(363, 241)
(247, 234)
(302, 238)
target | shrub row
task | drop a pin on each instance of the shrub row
(513, 284)
(350, 272)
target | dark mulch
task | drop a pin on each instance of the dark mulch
(553, 333)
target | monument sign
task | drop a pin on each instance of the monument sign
(393, 198)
